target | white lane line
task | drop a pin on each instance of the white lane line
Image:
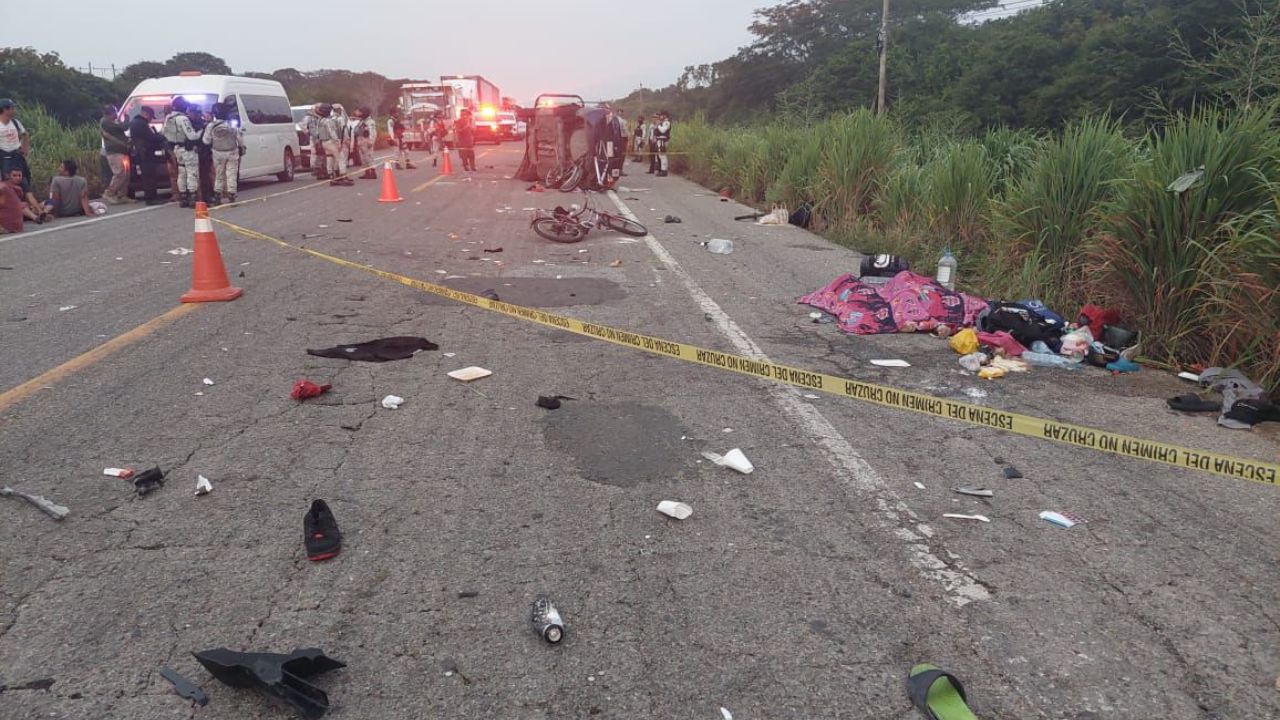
(960, 585)
(90, 221)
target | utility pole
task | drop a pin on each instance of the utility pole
(884, 52)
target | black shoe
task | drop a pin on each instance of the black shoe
(650, 172)
(231, 198)
(320, 533)
(434, 161)
(662, 173)
(182, 200)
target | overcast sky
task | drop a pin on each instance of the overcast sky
(597, 48)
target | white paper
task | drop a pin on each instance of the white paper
(891, 363)
(677, 510)
(391, 402)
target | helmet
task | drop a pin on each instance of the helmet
(324, 109)
(179, 104)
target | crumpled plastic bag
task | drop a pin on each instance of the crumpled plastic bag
(964, 342)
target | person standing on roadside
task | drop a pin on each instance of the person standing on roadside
(15, 143)
(464, 131)
(184, 142)
(331, 132)
(395, 128)
(226, 145)
(145, 142)
(661, 134)
(115, 141)
(364, 133)
(640, 137)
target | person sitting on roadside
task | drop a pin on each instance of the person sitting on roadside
(28, 207)
(68, 192)
(12, 206)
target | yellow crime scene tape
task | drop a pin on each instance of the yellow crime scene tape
(1063, 433)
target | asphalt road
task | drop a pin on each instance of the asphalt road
(804, 590)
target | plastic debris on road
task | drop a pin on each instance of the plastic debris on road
(891, 363)
(1062, 520)
(203, 486)
(719, 246)
(391, 402)
(468, 374)
(50, 508)
(957, 516)
(207, 381)
(725, 714)
(974, 492)
(123, 473)
(65, 308)
(677, 510)
(734, 459)
(180, 251)
(304, 389)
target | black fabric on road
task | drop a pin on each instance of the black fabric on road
(382, 350)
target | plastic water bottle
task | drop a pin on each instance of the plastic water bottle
(946, 276)
(720, 247)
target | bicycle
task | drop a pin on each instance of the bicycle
(564, 177)
(572, 225)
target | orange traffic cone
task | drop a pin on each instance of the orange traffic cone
(209, 281)
(446, 167)
(390, 193)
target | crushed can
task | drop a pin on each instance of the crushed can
(546, 620)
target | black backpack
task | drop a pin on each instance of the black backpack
(1023, 323)
(801, 216)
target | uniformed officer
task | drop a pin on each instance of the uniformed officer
(227, 144)
(365, 132)
(311, 124)
(395, 128)
(661, 134)
(331, 131)
(182, 140)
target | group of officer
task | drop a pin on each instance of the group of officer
(338, 140)
(204, 151)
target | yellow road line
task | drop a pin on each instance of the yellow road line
(15, 395)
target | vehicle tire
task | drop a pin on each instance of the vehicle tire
(286, 175)
(626, 226)
(572, 178)
(559, 231)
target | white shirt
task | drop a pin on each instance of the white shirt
(10, 135)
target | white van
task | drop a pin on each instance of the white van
(261, 110)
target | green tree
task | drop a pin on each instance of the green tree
(69, 95)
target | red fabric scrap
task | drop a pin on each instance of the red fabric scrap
(304, 389)
(1002, 340)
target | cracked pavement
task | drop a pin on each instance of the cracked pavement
(793, 592)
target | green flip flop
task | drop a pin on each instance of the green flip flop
(937, 694)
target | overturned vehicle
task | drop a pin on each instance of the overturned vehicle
(570, 146)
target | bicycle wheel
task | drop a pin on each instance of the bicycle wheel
(558, 230)
(572, 178)
(554, 177)
(623, 225)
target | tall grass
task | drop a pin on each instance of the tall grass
(1051, 212)
(1182, 260)
(51, 143)
(1081, 217)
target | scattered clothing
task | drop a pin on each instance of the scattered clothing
(1236, 388)
(304, 389)
(1004, 341)
(381, 350)
(906, 303)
